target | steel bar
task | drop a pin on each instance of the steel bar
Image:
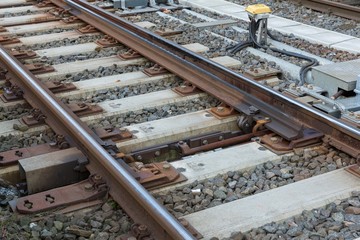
(232, 88)
(337, 8)
(139, 204)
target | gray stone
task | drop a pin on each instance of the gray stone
(58, 225)
(95, 224)
(337, 216)
(270, 228)
(269, 175)
(219, 194)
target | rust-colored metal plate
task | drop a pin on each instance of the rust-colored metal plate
(3, 29)
(168, 32)
(39, 68)
(278, 144)
(84, 109)
(12, 156)
(131, 54)
(191, 229)
(6, 40)
(154, 175)
(223, 111)
(45, 3)
(57, 87)
(354, 169)
(71, 19)
(107, 41)
(87, 29)
(88, 190)
(262, 73)
(36, 117)
(187, 89)
(12, 93)
(23, 54)
(155, 70)
(115, 134)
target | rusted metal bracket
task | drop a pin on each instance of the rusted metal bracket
(39, 68)
(11, 92)
(58, 11)
(351, 150)
(57, 87)
(87, 29)
(222, 111)
(12, 156)
(84, 109)
(194, 145)
(262, 73)
(23, 54)
(6, 40)
(3, 29)
(71, 19)
(354, 169)
(107, 41)
(187, 89)
(138, 231)
(153, 175)
(91, 189)
(35, 118)
(167, 32)
(130, 54)
(155, 70)
(114, 134)
(278, 144)
(191, 229)
(45, 3)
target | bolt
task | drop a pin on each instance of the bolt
(97, 178)
(181, 142)
(204, 142)
(273, 139)
(88, 187)
(139, 157)
(166, 166)
(142, 229)
(267, 118)
(157, 153)
(220, 109)
(221, 138)
(351, 113)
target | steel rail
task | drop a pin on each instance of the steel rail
(135, 199)
(232, 88)
(336, 8)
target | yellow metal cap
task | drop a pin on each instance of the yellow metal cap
(258, 9)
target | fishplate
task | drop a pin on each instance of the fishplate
(87, 29)
(155, 70)
(114, 134)
(57, 87)
(6, 40)
(107, 41)
(130, 54)
(39, 68)
(91, 189)
(23, 54)
(12, 156)
(84, 109)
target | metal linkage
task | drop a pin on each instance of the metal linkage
(288, 117)
(124, 188)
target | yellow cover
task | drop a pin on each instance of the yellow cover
(258, 9)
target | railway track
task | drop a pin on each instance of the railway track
(120, 67)
(338, 8)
